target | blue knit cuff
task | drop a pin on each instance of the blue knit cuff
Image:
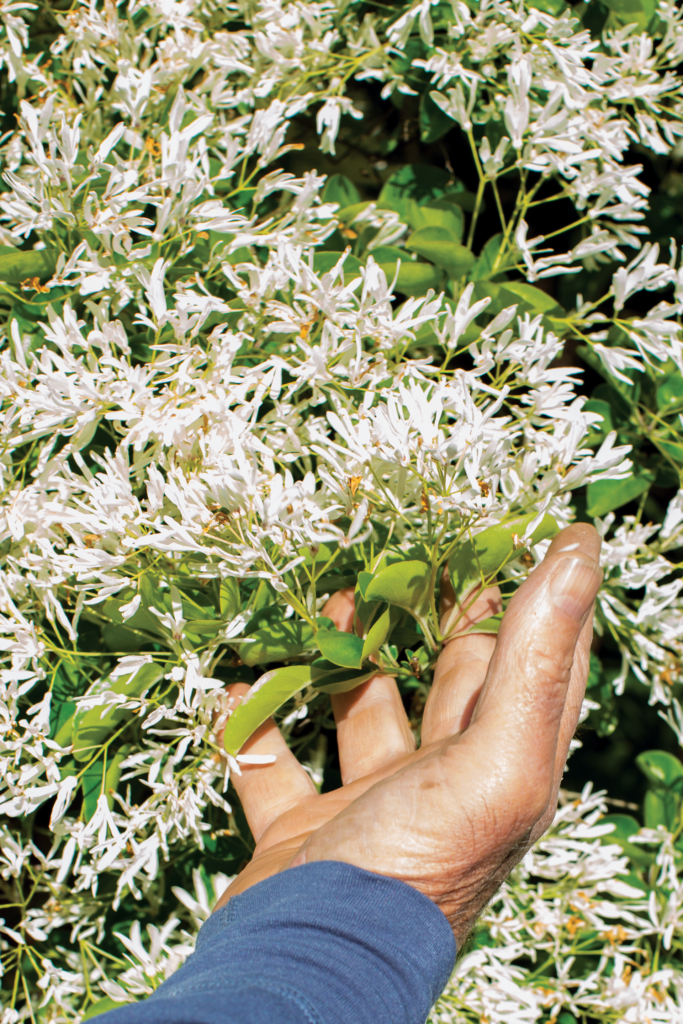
(324, 943)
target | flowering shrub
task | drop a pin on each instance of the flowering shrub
(298, 296)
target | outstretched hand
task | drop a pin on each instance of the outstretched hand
(454, 817)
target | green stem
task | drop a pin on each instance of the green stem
(475, 212)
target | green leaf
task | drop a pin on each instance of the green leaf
(380, 631)
(662, 807)
(91, 727)
(364, 579)
(413, 278)
(230, 600)
(64, 723)
(490, 625)
(330, 678)
(340, 189)
(365, 610)
(525, 297)
(670, 394)
(404, 584)
(349, 213)
(529, 298)
(67, 684)
(434, 122)
(488, 290)
(632, 12)
(598, 431)
(85, 435)
(486, 553)
(625, 826)
(437, 244)
(269, 692)
(102, 1006)
(437, 213)
(278, 641)
(660, 767)
(265, 597)
(17, 265)
(93, 784)
(324, 262)
(114, 770)
(606, 495)
(340, 648)
(390, 254)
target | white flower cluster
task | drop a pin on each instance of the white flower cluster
(572, 898)
(203, 388)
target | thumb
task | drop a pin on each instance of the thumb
(523, 698)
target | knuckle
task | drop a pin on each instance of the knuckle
(550, 665)
(523, 798)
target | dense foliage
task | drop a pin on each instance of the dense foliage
(301, 296)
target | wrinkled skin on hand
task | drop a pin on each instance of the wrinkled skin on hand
(453, 817)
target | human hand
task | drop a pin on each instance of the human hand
(454, 817)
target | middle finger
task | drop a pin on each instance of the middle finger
(373, 729)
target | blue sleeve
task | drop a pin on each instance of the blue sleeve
(324, 943)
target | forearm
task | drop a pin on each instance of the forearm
(325, 943)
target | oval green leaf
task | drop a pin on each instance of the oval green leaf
(342, 649)
(662, 807)
(413, 278)
(379, 632)
(606, 495)
(404, 584)
(269, 692)
(490, 625)
(277, 641)
(660, 767)
(528, 298)
(324, 262)
(437, 213)
(329, 678)
(625, 827)
(437, 245)
(364, 578)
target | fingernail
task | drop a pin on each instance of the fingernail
(574, 585)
